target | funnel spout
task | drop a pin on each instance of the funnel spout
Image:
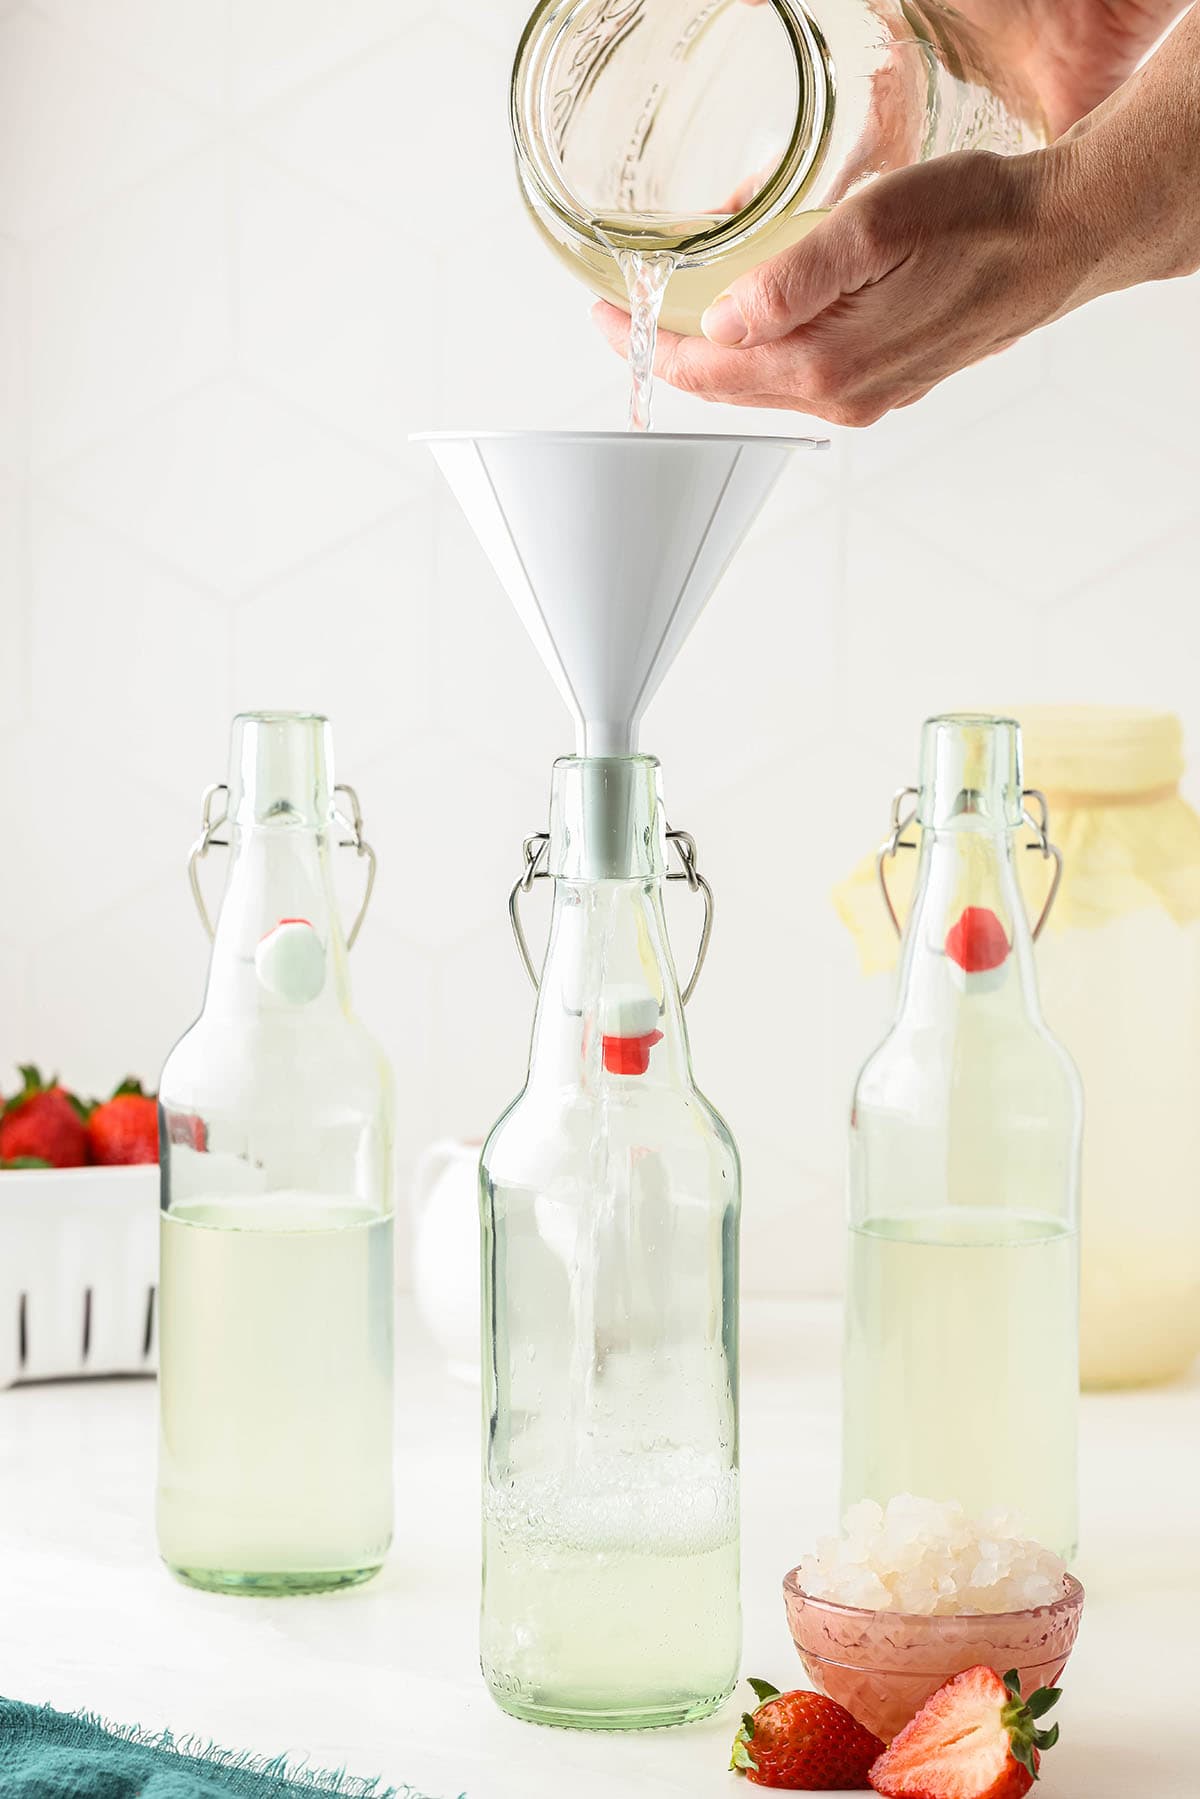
(609, 545)
(608, 737)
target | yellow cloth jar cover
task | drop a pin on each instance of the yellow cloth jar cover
(1119, 970)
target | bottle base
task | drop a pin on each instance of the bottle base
(272, 1586)
(566, 1716)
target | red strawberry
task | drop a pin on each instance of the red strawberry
(43, 1124)
(975, 1739)
(124, 1130)
(978, 941)
(802, 1741)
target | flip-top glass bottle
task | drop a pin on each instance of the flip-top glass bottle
(962, 1362)
(275, 1471)
(610, 1196)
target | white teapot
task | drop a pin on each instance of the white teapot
(445, 1219)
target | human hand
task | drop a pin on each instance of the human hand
(909, 280)
(1073, 53)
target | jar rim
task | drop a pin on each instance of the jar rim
(794, 174)
(1087, 754)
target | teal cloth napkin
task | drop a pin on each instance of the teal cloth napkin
(45, 1754)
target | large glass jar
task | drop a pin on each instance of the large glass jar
(1120, 971)
(961, 1363)
(276, 1294)
(611, 1201)
(725, 132)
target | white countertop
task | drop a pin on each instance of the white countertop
(384, 1679)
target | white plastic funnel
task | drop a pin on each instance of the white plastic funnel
(609, 544)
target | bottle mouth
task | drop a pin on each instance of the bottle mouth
(1096, 756)
(562, 54)
(607, 821)
(971, 774)
(281, 769)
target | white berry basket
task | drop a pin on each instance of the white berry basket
(78, 1273)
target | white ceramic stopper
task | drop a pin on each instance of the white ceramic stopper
(290, 962)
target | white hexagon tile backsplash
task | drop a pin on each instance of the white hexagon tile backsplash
(245, 251)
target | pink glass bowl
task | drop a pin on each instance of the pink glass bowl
(883, 1666)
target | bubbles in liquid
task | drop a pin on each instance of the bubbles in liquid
(614, 1588)
(677, 1503)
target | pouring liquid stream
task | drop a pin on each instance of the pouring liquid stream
(648, 249)
(646, 277)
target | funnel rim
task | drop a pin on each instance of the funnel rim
(662, 437)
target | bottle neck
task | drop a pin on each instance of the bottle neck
(967, 941)
(279, 950)
(609, 1013)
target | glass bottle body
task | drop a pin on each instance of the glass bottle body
(724, 133)
(961, 1357)
(611, 1205)
(276, 1380)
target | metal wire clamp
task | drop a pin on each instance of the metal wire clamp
(1040, 826)
(685, 849)
(536, 852)
(210, 840)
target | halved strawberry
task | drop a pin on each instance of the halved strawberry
(976, 1738)
(804, 1742)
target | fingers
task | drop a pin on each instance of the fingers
(825, 373)
(763, 378)
(689, 363)
(791, 289)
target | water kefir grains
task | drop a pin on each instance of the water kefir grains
(926, 1558)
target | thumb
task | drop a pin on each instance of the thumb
(791, 289)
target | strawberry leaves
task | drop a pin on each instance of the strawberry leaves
(763, 1690)
(132, 1085)
(1019, 1718)
(741, 1761)
(32, 1085)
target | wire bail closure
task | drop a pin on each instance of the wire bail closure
(536, 851)
(1040, 826)
(208, 840)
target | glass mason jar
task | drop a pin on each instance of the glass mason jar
(724, 132)
(1120, 968)
(961, 1359)
(276, 1292)
(611, 1202)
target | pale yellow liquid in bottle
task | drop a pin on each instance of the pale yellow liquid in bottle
(275, 1470)
(961, 1365)
(609, 1607)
